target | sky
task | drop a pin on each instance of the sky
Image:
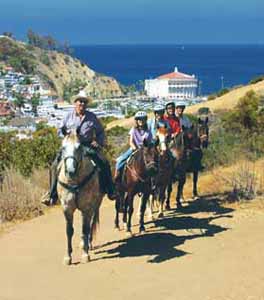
(137, 21)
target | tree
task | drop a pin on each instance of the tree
(19, 101)
(8, 34)
(35, 103)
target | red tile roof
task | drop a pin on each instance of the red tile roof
(5, 109)
(175, 75)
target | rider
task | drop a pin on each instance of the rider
(184, 120)
(172, 119)
(158, 120)
(137, 135)
(92, 136)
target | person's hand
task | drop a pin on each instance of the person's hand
(94, 144)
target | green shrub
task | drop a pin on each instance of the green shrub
(44, 58)
(257, 79)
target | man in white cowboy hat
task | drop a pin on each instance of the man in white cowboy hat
(184, 120)
(92, 135)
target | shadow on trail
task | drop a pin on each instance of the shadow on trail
(161, 245)
(210, 203)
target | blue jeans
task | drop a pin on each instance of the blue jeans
(121, 160)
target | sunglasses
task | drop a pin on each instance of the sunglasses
(82, 101)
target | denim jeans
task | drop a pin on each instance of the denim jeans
(121, 160)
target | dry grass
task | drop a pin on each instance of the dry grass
(20, 198)
(244, 180)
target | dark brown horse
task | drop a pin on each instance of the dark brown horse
(178, 148)
(136, 179)
(199, 138)
(187, 150)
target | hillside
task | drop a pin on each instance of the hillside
(55, 69)
(223, 103)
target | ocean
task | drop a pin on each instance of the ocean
(215, 66)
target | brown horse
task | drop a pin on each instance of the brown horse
(178, 147)
(136, 179)
(201, 140)
(187, 150)
(165, 168)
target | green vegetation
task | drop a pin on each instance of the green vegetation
(238, 134)
(256, 79)
(44, 58)
(16, 56)
(28, 154)
(204, 111)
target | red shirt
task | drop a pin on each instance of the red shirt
(174, 124)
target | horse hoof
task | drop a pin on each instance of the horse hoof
(142, 230)
(129, 233)
(117, 228)
(67, 260)
(196, 197)
(85, 258)
(167, 207)
(179, 206)
(160, 215)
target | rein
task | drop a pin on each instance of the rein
(134, 172)
(75, 188)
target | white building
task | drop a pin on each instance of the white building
(174, 85)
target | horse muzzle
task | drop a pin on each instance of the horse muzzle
(152, 168)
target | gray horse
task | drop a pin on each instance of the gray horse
(78, 188)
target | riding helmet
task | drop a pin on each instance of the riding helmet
(141, 115)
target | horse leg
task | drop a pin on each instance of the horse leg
(161, 201)
(181, 183)
(169, 190)
(144, 201)
(195, 180)
(117, 206)
(125, 212)
(70, 231)
(130, 208)
(86, 228)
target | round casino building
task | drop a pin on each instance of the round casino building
(175, 85)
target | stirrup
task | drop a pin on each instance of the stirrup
(45, 199)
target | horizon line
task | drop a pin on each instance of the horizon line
(169, 44)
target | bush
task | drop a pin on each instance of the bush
(257, 79)
(203, 110)
(211, 97)
(44, 58)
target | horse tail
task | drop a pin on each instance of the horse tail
(95, 224)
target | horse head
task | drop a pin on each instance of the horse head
(71, 153)
(150, 157)
(162, 138)
(177, 146)
(203, 132)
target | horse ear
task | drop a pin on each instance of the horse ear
(78, 130)
(199, 120)
(206, 120)
(183, 127)
(156, 142)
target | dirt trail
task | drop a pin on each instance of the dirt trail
(205, 252)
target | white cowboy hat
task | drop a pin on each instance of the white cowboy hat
(81, 96)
